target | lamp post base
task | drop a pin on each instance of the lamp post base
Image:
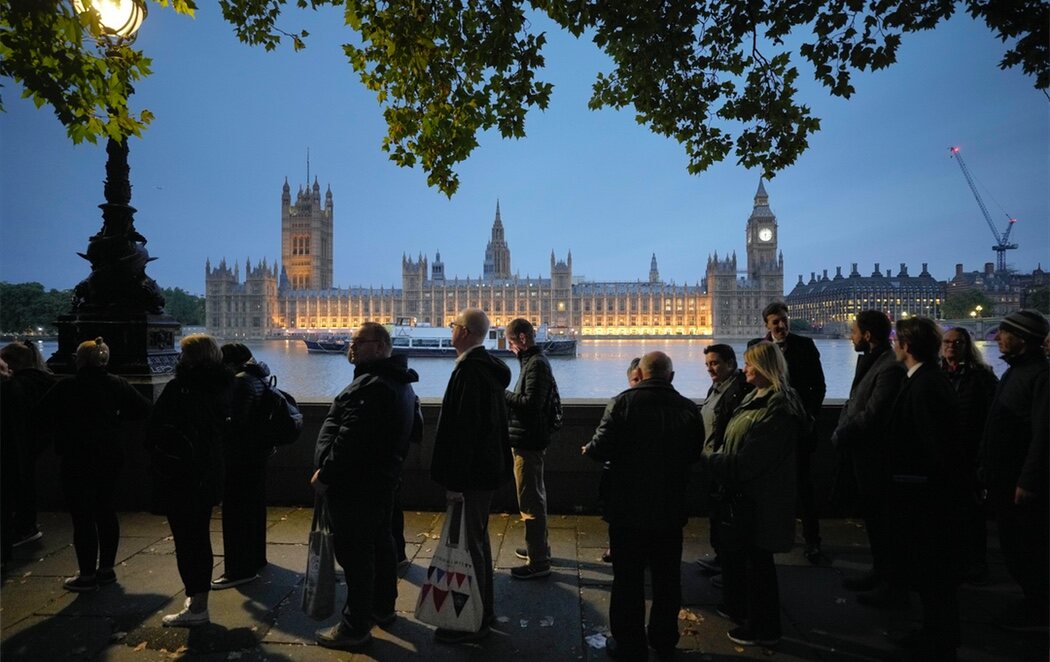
(142, 345)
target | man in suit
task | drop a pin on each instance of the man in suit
(858, 436)
(806, 376)
(927, 488)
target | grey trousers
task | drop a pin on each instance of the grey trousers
(476, 506)
(532, 503)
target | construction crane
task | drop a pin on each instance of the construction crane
(1002, 240)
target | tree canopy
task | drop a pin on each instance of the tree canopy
(958, 305)
(715, 76)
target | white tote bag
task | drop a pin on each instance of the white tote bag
(450, 597)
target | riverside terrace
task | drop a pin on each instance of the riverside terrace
(564, 617)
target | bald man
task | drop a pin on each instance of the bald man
(650, 435)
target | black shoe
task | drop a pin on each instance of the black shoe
(225, 582)
(522, 553)
(815, 556)
(663, 653)
(106, 576)
(716, 581)
(607, 556)
(710, 565)
(456, 637)
(341, 637)
(81, 584)
(28, 536)
(617, 652)
(724, 612)
(745, 637)
(884, 597)
(866, 582)
(385, 620)
(530, 572)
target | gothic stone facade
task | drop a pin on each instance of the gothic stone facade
(299, 298)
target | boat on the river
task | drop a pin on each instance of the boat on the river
(419, 339)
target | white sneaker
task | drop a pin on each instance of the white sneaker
(186, 618)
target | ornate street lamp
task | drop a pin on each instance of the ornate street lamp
(118, 300)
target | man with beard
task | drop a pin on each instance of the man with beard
(858, 439)
(359, 454)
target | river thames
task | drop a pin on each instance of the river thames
(598, 371)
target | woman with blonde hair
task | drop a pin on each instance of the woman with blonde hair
(755, 508)
(87, 412)
(186, 435)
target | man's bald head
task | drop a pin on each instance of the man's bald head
(657, 365)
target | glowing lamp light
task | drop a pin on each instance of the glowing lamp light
(118, 18)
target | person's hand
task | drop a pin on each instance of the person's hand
(453, 497)
(318, 486)
(1021, 495)
(583, 450)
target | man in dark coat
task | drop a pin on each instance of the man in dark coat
(1014, 462)
(650, 435)
(360, 450)
(927, 488)
(806, 376)
(472, 456)
(728, 388)
(528, 407)
(858, 437)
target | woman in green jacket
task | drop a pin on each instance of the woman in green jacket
(756, 516)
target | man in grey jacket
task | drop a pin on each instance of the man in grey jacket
(528, 407)
(858, 435)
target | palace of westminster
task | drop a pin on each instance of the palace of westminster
(299, 297)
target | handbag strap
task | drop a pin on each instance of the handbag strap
(320, 521)
(446, 528)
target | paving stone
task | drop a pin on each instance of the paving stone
(61, 637)
(22, 597)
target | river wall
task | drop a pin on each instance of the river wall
(572, 480)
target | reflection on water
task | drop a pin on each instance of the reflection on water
(599, 370)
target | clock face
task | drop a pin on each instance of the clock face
(765, 234)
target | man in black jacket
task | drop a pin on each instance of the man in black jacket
(360, 450)
(1014, 462)
(650, 435)
(858, 438)
(806, 376)
(528, 408)
(728, 388)
(472, 456)
(926, 490)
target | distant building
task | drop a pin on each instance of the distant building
(1007, 291)
(830, 304)
(300, 296)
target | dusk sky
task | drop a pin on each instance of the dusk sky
(232, 121)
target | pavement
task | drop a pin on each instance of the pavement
(562, 617)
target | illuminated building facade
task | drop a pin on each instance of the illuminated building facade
(299, 298)
(831, 304)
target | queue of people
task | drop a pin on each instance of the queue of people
(927, 437)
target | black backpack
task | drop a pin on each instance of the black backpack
(280, 422)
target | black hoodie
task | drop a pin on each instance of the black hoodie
(472, 443)
(364, 439)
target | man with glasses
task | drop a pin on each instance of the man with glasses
(359, 454)
(472, 456)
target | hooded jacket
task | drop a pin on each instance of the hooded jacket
(472, 442)
(529, 402)
(246, 413)
(757, 462)
(364, 438)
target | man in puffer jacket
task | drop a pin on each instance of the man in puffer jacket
(528, 407)
(360, 450)
(472, 456)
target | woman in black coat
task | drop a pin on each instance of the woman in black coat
(185, 436)
(244, 490)
(87, 411)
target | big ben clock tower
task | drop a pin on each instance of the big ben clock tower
(762, 237)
